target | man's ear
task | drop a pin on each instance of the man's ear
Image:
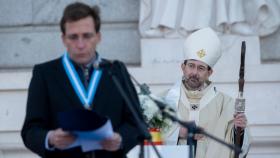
(183, 66)
(63, 39)
(99, 36)
(210, 72)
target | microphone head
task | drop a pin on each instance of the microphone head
(161, 103)
(145, 89)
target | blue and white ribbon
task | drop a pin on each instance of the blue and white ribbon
(86, 96)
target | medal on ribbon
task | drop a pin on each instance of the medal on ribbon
(86, 96)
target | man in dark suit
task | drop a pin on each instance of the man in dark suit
(63, 84)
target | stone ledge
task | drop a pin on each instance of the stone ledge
(12, 147)
(265, 145)
(15, 80)
(155, 75)
(170, 73)
(261, 141)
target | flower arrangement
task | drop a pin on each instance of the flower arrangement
(152, 114)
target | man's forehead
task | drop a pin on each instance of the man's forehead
(197, 62)
(84, 24)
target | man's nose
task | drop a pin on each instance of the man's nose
(80, 43)
(194, 71)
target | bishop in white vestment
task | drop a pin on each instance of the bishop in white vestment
(196, 99)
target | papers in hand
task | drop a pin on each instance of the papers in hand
(88, 126)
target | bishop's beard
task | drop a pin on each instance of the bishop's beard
(193, 83)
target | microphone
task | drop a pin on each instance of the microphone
(145, 89)
(162, 105)
(103, 64)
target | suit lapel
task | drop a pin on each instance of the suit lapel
(64, 83)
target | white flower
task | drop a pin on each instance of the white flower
(149, 107)
(152, 114)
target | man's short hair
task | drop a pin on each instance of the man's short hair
(77, 11)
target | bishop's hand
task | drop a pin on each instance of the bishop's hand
(240, 120)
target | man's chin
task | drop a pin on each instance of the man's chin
(194, 88)
(82, 61)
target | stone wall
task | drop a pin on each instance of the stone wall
(29, 34)
(29, 31)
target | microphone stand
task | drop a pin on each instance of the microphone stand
(190, 125)
(190, 139)
(145, 134)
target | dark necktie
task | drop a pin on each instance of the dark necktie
(86, 73)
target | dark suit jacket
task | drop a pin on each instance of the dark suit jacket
(50, 92)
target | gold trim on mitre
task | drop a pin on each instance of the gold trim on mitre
(201, 53)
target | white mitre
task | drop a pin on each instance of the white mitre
(203, 45)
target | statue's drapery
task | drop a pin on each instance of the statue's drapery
(177, 18)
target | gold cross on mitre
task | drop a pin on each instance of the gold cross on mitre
(201, 53)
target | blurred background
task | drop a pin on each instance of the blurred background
(148, 36)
